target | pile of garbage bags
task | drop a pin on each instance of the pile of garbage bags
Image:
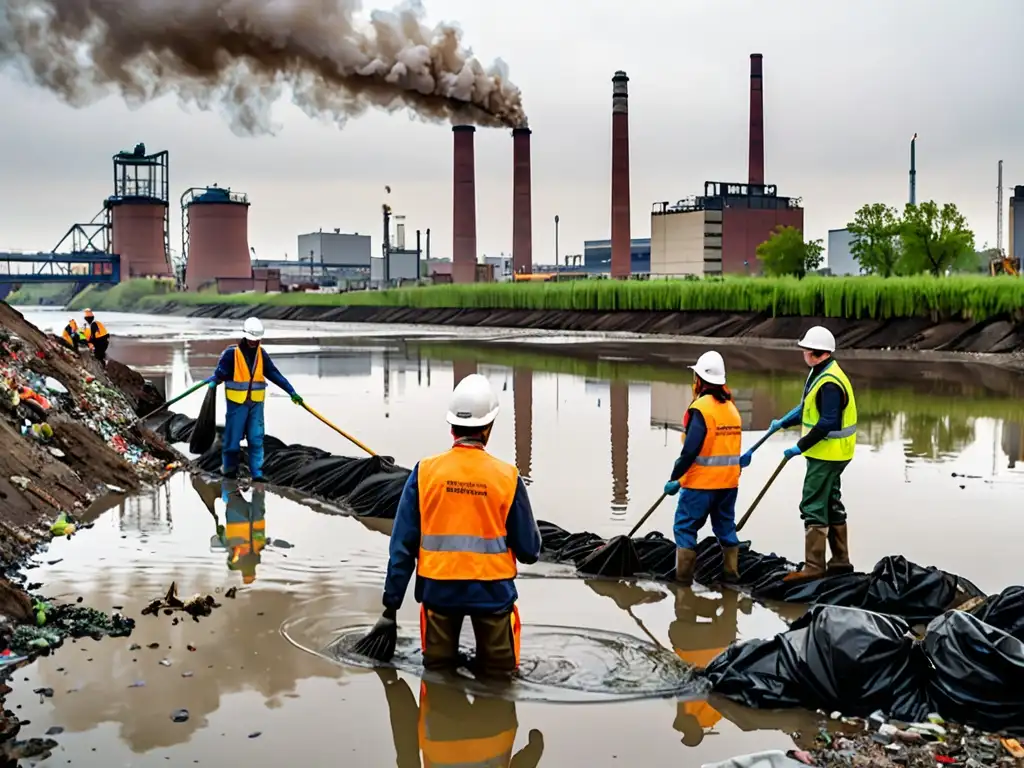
(859, 662)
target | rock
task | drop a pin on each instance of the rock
(179, 715)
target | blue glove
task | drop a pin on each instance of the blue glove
(789, 453)
(745, 460)
(671, 487)
(775, 426)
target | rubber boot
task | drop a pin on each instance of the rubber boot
(815, 540)
(686, 562)
(839, 544)
(730, 565)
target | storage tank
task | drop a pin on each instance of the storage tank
(215, 243)
(139, 213)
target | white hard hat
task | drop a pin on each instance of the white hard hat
(710, 367)
(818, 339)
(473, 403)
(252, 329)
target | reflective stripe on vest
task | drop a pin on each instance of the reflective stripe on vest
(240, 386)
(482, 752)
(718, 464)
(839, 444)
(465, 495)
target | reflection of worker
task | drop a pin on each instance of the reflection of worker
(704, 627)
(465, 519)
(69, 336)
(708, 470)
(828, 419)
(244, 533)
(97, 337)
(449, 729)
(244, 370)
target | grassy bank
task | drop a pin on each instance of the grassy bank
(42, 295)
(958, 297)
(123, 297)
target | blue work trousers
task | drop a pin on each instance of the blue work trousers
(243, 420)
(694, 509)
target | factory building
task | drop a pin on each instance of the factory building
(335, 249)
(719, 232)
(1015, 245)
(597, 255)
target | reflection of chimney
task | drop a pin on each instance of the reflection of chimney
(619, 406)
(756, 162)
(522, 404)
(464, 206)
(620, 176)
(522, 204)
(461, 369)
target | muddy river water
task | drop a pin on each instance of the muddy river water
(594, 425)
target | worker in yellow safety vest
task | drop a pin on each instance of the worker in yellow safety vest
(463, 520)
(450, 729)
(245, 369)
(707, 470)
(827, 417)
(244, 533)
(69, 336)
(97, 337)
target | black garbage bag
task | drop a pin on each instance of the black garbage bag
(378, 495)
(896, 586)
(1004, 611)
(615, 558)
(552, 538)
(205, 429)
(335, 477)
(159, 423)
(657, 555)
(754, 567)
(832, 658)
(978, 675)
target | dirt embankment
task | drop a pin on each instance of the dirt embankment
(997, 336)
(64, 435)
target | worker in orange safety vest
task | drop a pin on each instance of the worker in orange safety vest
(463, 520)
(707, 470)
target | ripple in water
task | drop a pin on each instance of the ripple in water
(558, 664)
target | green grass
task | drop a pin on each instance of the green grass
(123, 297)
(967, 297)
(42, 294)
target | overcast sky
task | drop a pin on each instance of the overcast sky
(847, 83)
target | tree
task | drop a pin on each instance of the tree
(934, 239)
(875, 243)
(786, 253)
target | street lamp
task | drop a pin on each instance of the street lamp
(556, 246)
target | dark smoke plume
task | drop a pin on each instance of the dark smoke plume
(244, 53)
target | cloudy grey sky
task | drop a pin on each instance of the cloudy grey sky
(847, 83)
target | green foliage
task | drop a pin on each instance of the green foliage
(786, 253)
(122, 297)
(876, 245)
(42, 294)
(971, 297)
(934, 239)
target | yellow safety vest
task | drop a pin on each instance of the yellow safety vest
(95, 330)
(484, 752)
(243, 383)
(840, 444)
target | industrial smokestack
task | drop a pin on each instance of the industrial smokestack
(620, 176)
(522, 203)
(756, 160)
(464, 206)
(913, 170)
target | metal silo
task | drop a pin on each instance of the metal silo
(215, 236)
(140, 213)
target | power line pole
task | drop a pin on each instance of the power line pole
(999, 210)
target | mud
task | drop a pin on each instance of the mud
(999, 336)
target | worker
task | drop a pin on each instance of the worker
(707, 470)
(244, 534)
(464, 518)
(69, 336)
(451, 729)
(244, 369)
(828, 420)
(97, 337)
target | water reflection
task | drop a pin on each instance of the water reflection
(148, 513)
(244, 532)
(449, 727)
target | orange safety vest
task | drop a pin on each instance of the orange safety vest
(243, 383)
(486, 752)
(70, 333)
(717, 466)
(465, 495)
(99, 333)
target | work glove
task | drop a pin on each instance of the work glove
(671, 487)
(789, 453)
(775, 426)
(745, 459)
(296, 398)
